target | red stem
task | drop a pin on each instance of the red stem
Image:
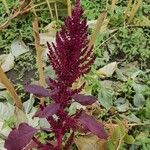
(69, 141)
(39, 144)
(59, 140)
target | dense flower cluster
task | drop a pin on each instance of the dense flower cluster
(71, 58)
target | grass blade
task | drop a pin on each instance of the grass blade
(134, 10)
(128, 9)
(113, 4)
(50, 9)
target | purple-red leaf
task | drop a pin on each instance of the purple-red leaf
(92, 125)
(19, 138)
(39, 91)
(84, 99)
(48, 111)
(51, 83)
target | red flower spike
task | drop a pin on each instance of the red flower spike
(51, 83)
(70, 56)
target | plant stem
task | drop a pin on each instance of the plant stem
(59, 140)
(56, 10)
(134, 10)
(128, 9)
(69, 8)
(4, 80)
(39, 55)
(39, 144)
(69, 141)
(113, 4)
(97, 29)
(50, 9)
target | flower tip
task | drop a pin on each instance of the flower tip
(77, 1)
(48, 44)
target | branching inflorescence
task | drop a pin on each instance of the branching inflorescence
(71, 58)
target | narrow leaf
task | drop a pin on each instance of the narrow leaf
(19, 138)
(37, 90)
(92, 125)
(48, 111)
(84, 99)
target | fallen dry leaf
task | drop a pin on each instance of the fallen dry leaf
(18, 47)
(89, 142)
(7, 61)
(107, 71)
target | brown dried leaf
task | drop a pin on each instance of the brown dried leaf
(89, 142)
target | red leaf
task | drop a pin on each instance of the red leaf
(31, 145)
(39, 91)
(92, 125)
(48, 111)
(51, 83)
(84, 99)
(19, 138)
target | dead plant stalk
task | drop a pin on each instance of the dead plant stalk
(98, 26)
(39, 55)
(69, 7)
(9, 86)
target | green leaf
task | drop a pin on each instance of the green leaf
(133, 118)
(139, 100)
(105, 98)
(5, 96)
(108, 70)
(88, 142)
(74, 107)
(43, 123)
(6, 111)
(129, 139)
(118, 134)
(18, 47)
(123, 107)
(139, 88)
(7, 62)
(120, 75)
(20, 117)
(28, 105)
